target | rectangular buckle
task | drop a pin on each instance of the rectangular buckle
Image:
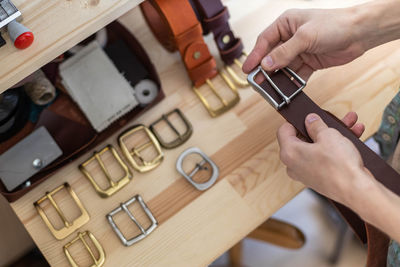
(182, 138)
(124, 207)
(114, 186)
(141, 165)
(199, 167)
(286, 99)
(226, 105)
(69, 227)
(81, 236)
(235, 77)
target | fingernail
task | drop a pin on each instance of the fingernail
(267, 61)
(311, 118)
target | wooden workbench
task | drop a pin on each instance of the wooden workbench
(195, 228)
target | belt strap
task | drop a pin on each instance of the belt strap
(181, 32)
(294, 105)
(214, 17)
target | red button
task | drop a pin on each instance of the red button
(24, 40)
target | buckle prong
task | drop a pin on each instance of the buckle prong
(286, 99)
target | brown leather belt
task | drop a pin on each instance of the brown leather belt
(181, 32)
(214, 17)
(283, 90)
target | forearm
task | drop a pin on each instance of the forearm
(378, 206)
(377, 22)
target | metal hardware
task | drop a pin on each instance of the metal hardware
(235, 77)
(124, 207)
(141, 165)
(199, 166)
(114, 186)
(97, 262)
(182, 138)
(196, 55)
(37, 163)
(8, 12)
(226, 105)
(69, 227)
(286, 99)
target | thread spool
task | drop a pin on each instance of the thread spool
(146, 91)
(41, 91)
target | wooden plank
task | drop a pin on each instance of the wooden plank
(195, 228)
(57, 26)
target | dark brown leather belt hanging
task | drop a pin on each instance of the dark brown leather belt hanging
(284, 91)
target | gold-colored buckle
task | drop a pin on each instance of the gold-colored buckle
(114, 186)
(226, 105)
(141, 165)
(242, 82)
(182, 138)
(70, 227)
(97, 262)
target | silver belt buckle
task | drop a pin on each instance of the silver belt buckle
(199, 167)
(124, 207)
(286, 99)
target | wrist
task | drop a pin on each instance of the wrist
(375, 23)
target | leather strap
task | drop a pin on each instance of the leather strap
(181, 32)
(214, 17)
(295, 113)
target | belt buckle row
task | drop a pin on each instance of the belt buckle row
(286, 99)
(124, 207)
(69, 227)
(235, 77)
(141, 165)
(97, 262)
(199, 167)
(181, 138)
(114, 186)
(226, 105)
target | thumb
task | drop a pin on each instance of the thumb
(284, 54)
(314, 125)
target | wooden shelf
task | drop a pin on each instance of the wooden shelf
(57, 26)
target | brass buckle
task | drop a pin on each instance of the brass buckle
(226, 105)
(70, 227)
(141, 165)
(199, 167)
(235, 77)
(182, 138)
(124, 207)
(114, 186)
(96, 262)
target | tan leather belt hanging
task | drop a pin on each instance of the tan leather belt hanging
(283, 90)
(214, 17)
(176, 27)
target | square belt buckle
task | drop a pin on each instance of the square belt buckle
(124, 207)
(69, 227)
(225, 105)
(114, 186)
(286, 99)
(141, 165)
(182, 138)
(235, 77)
(97, 262)
(199, 167)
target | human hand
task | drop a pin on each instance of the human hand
(331, 165)
(307, 40)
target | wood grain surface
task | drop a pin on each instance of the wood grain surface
(194, 227)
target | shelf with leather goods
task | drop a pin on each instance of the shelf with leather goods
(57, 26)
(197, 227)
